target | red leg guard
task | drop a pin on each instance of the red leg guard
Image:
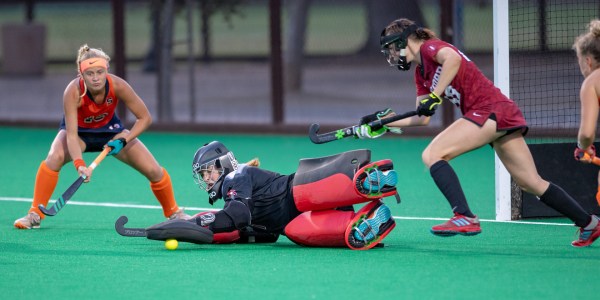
(319, 228)
(339, 189)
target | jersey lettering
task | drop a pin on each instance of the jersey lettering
(450, 93)
(95, 119)
(436, 78)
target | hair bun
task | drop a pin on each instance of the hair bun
(595, 28)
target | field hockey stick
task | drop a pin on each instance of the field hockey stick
(66, 196)
(120, 227)
(315, 137)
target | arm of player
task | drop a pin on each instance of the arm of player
(71, 102)
(136, 106)
(235, 215)
(589, 114)
(450, 61)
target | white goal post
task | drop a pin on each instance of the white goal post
(502, 81)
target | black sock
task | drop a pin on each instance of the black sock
(447, 181)
(563, 203)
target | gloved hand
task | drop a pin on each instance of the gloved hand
(428, 105)
(378, 115)
(365, 131)
(580, 154)
(204, 218)
(116, 145)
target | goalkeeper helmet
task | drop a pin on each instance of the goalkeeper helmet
(398, 42)
(212, 162)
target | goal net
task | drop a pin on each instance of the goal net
(535, 66)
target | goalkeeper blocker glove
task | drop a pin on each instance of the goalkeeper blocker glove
(428, 105)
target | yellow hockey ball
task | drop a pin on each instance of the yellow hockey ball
(171, 244)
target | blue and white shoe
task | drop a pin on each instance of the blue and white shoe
(371, 226)
(378, 179)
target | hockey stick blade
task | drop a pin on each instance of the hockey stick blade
(131, 232)
(315, 137)
(62, 200)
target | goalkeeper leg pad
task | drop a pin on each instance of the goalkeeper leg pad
(370, 226)
(324, 228)
(376, 180)
(327, 182)
(338, 180)
(181, 230)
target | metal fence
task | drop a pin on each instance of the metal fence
(221, 78)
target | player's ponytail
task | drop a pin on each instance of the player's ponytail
(253, 162)
(589, 43)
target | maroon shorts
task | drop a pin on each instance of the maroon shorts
(507, 115)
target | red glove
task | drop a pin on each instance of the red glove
(586, 155)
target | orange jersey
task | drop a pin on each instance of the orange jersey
(92, 115)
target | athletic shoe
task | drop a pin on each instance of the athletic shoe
(587, 237)
(377, 179)
(31, 220)
(371, 226)
(180, 214)
(459, 224)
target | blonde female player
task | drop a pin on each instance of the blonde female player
(90, 123)
(489, 117)
(587, 48)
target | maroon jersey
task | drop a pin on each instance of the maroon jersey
(470, 90)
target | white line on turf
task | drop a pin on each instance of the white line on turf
(121, 205)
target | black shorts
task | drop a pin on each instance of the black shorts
(95, 141)
(96, 138)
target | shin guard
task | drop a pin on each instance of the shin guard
(45, 183)
(163, 191)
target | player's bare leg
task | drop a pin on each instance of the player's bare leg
(139, 157)
(515, 155)
(460, 137)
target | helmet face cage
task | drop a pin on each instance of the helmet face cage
(398, 41)
(210, 158)
(203, 175)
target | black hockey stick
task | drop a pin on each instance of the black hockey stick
(120, 227)
(66, 196)
(315, 137)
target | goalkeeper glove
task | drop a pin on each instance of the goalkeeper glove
(428, 105)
